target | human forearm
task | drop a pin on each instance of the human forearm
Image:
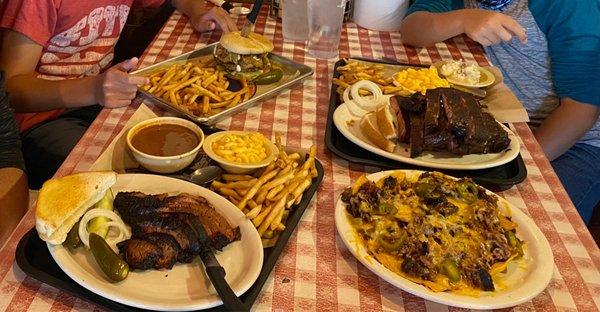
(31, 94)
(14, 199)
(203, 17)
(190, 8)
(425, 28)
(484, 26)
(565, 126)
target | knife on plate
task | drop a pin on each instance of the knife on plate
(216, 273)
(251, 18)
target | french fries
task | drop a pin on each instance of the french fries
(267, 197)
(197, 87)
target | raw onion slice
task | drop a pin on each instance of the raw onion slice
(115, 222)
(363, 101)
(352, 107)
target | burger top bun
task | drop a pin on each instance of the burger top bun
(254, 44)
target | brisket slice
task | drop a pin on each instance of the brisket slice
(173, 225)
(164, 228)
(155, 250)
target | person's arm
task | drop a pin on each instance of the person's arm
(573, 45)
(203, 18)
(553, 134)
(19, 57)
(423, 28)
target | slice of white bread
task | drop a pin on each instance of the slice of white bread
(386, 122)
(369, 127)
(63, 201)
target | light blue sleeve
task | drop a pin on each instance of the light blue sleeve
(572, 28)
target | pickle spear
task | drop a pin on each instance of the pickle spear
(98, 224)
(73, 241)
(115, 268)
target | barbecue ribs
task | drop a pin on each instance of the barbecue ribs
(446, 119)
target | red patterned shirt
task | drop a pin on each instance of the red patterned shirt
(78, 37)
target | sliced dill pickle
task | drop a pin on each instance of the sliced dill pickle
(98, 224)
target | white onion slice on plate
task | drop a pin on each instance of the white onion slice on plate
(352, 107)
(115, 222)
(363, 101)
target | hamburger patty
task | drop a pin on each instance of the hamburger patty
(246, 63)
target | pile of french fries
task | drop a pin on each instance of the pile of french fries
(197, 87)
(354, 71)
(267, 196)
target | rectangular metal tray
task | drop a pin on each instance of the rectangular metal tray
(293, 73)
(33, 257)
(496, 178)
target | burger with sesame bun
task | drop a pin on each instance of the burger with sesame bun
(244, 56)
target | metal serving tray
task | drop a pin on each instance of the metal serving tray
(293, 73)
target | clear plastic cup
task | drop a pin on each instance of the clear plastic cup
(325, 18)
(295, 20)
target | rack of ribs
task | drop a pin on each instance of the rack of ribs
(163, 228)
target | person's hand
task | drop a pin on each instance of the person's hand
(491, 28)
(215, 17)
(115, 87)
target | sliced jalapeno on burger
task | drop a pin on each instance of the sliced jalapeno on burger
(270, 77)
(115, 268)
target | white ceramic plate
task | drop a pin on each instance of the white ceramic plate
(525, 278)
(185, 287)
(349, 126)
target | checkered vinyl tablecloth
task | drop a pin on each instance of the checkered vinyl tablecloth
(316, 271)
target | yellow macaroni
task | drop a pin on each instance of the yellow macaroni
(420, 80)
(244, 148)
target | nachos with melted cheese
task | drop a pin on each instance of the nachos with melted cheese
(443, 233)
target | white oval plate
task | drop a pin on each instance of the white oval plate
(486, 79)
(525, 278)
(185, 287)
(349, 126)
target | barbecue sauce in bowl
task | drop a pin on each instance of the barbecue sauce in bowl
(165, 140)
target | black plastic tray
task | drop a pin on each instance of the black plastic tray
(497, 178)
(34, 259)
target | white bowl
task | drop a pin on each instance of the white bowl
(165, 164)
(234, 167)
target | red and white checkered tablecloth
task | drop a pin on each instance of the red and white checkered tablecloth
(316, 271)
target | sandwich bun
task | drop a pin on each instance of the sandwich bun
(369, 127)
(63, 201)
(386, 122)
(253, 44)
